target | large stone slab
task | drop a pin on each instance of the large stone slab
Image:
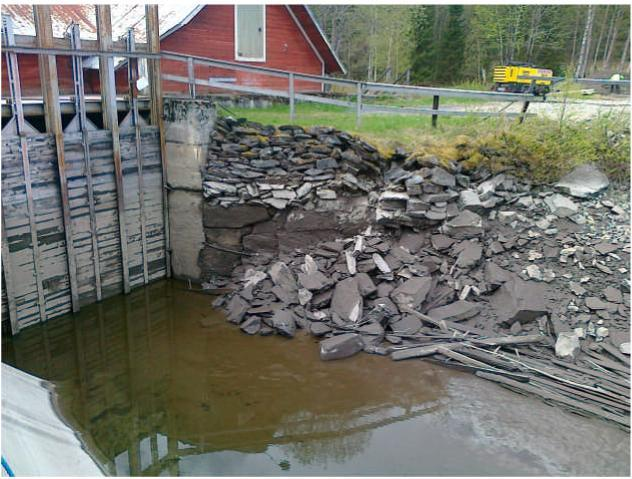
(347, 301)
(583, 181)
(561, 206)
(457, 311)
(412, 292)
(466, 225)
(236, 216)
(470, 255)
(519, 300)
(342, 346)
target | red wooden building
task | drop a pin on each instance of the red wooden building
(285, 37)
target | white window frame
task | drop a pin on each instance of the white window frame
(265, 37)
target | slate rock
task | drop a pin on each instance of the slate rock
(457, 311)
(495, 276)
(442, 178)
(318, 328)
(234, 217)
(519, 300)
(594, 303)
(469, 200)
(251, 326)
(314, 281)
(605, 248)
(342, 346)
(366, 286)
(236, 309)
(470, 255)
(284, 323)
(347, 301)
(466, 225)
(407, 326)
(584, 181)
(561, 206)
(282, 276)
(412, 292)
(613, 295)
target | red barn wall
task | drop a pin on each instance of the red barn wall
(210, 34)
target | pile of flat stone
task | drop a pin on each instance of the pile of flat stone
(522, 285)
(281, 167)
(428, 196)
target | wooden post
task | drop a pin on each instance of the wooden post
(435, 106)
(110, 122)
(291, 95)
(191, 70)
(18, 117)
(80, 107)
(523, 113)
(52, 111)
(132, 77)
(8, 281)
(155, 86)
(358, 104)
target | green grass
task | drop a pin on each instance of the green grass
(539, 148)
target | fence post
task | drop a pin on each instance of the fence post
(523, 113)
(291, 94)
(191, 77)
(435, 106)
(358, 104)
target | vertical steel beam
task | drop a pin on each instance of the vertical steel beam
(155, 86)
(80, 108)
(110, 122)
(52, 112)
(18, 115)
(132, 78)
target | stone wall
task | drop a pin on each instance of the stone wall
(269, 191)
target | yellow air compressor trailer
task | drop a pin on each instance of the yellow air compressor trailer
(509, 79)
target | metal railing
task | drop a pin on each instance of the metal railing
(359, 90)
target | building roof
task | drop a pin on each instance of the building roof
(124, 16)
(172, 16)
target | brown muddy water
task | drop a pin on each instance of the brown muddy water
(157, 383)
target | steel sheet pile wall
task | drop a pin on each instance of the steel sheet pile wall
(53, 278)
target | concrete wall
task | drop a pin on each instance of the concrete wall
(188, 124)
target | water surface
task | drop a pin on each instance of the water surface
(157, 383)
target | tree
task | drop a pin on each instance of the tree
(451, 48)
(423, 66)
(585, 46)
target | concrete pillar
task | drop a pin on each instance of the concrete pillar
(188, 125)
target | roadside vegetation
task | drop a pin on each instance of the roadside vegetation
(540, 148)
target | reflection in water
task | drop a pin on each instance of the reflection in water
(157, 376)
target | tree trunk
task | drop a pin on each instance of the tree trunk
(601, 32)
(624, 55)
(585, 46)
(613, 39)
(604, 57)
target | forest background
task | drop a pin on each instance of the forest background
(457, 44)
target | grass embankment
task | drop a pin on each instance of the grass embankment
(539, 148)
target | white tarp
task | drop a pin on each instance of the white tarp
(35, 441)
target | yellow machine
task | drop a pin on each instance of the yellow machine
(508, 79)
